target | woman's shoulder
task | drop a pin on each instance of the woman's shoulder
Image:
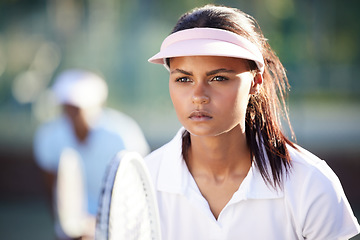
(302, 156)
(168, 152)
(170, 148)
(306, 164)
(317, 199)
(311, 179)
(153, 159)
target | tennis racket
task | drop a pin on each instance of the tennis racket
(102, 218)
(71, 204)
(128, 207)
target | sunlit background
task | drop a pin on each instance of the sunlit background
(317, 41)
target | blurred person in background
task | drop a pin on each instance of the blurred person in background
(93, 132)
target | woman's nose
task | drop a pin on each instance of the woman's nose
(200, 95)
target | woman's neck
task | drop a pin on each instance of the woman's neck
(220, 156)
(219, 165)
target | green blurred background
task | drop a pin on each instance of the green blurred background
(317, 41)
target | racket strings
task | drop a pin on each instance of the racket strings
(131, 216)
(102, 218)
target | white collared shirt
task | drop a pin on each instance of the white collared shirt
(312, 204)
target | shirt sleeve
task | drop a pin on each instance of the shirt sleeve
(326, 212)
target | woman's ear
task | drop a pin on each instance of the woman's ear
(256, 84)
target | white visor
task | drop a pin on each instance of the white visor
(208, 42)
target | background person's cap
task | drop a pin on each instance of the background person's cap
(80, 88)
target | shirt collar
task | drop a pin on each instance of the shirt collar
(174, 175)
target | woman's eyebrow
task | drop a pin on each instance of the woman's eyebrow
(181, 71)
(220, 70)
(213, 72)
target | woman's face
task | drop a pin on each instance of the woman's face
(210, 94)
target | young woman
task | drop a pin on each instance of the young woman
(230, 172)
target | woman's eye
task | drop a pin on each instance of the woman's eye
(219, 78)
(183, 79)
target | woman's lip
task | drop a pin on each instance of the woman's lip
(200, 115)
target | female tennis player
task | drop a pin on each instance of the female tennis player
(230, 172)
